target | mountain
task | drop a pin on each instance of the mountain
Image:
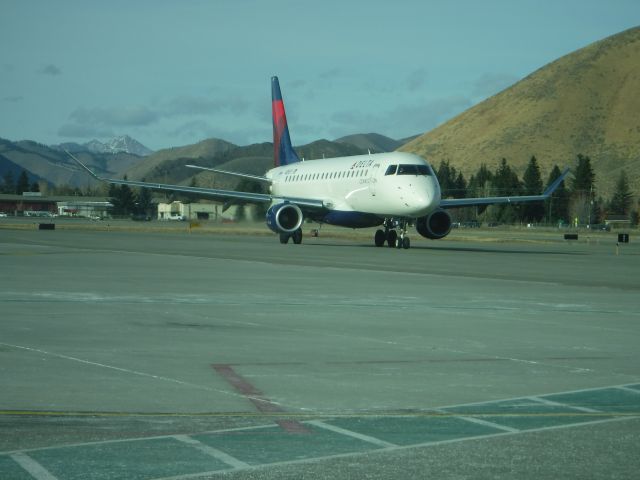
(585, 102)
(122, 144)
(188, 153)
(55, 166)
(7, 166)
(373, 142)
(168, 166)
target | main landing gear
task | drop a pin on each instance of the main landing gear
(394, 234)
(295, 236)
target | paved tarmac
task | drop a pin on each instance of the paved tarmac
(164, 354)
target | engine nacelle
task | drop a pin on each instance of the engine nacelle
(284, 218)
(435, 226)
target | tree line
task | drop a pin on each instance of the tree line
(577, 202)
(12, 186)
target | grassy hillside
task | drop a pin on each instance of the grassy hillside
(205, 149)
(58, 168)
(373, 142)
(585, 102)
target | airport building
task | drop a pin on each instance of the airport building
(202, 211)
(33, 204)
(188, 211)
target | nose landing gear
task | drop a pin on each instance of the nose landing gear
(390, 234)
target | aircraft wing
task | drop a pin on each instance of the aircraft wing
(470, 202)
(215, 193)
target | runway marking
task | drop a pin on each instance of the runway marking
(39, 472)
(487, 423)
(546, 401)
(257, 398)
(214, 452)
(36, 470)
(384, 450)
(350, 433)
(410, 362)
(627, 389)
(120, 369)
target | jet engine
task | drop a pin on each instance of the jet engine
(435, 226)
(284, 218)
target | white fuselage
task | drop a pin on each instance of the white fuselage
(363, 183)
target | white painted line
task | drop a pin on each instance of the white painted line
(627, 389)
(486, 423)
(398, 448)
(126, 370)
(36, 470)
(478, 421)
(213, 452)
(566, 405)
(349, 433)
(509, 399)
(136, 439)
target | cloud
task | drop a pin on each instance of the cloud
(401, 121)
(190, 105)
(331, 73)
(13, 99)
(116, 116)
(50, 69)
(489, 84)
(72, 130)
(416, 80)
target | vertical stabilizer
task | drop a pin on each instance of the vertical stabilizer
(283, 153)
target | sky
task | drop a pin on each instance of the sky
(175, 72)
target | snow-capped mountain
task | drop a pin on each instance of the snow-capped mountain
(120, 144)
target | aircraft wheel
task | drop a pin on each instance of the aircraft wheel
(392, 238)
(406, 243)
(284, 238)
(297, 236)
(379, 238)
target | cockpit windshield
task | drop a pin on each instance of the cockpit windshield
(409, 169)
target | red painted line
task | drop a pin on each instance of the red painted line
(257, 398)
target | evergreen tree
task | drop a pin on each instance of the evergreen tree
(23, 183)
(9, 183)
(126, 200)
(583, 178)
(622, 197)
(143, 201)
(557, 207)
(446, 178)
(480, 183)
(506, 183)
(122, 198)
(532, 185)
(460, 186)
(582, 191)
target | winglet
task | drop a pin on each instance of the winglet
(283, 152)
(556, 183)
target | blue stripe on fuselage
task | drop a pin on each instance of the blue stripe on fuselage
(349, 219)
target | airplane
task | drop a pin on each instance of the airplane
(391, 190)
